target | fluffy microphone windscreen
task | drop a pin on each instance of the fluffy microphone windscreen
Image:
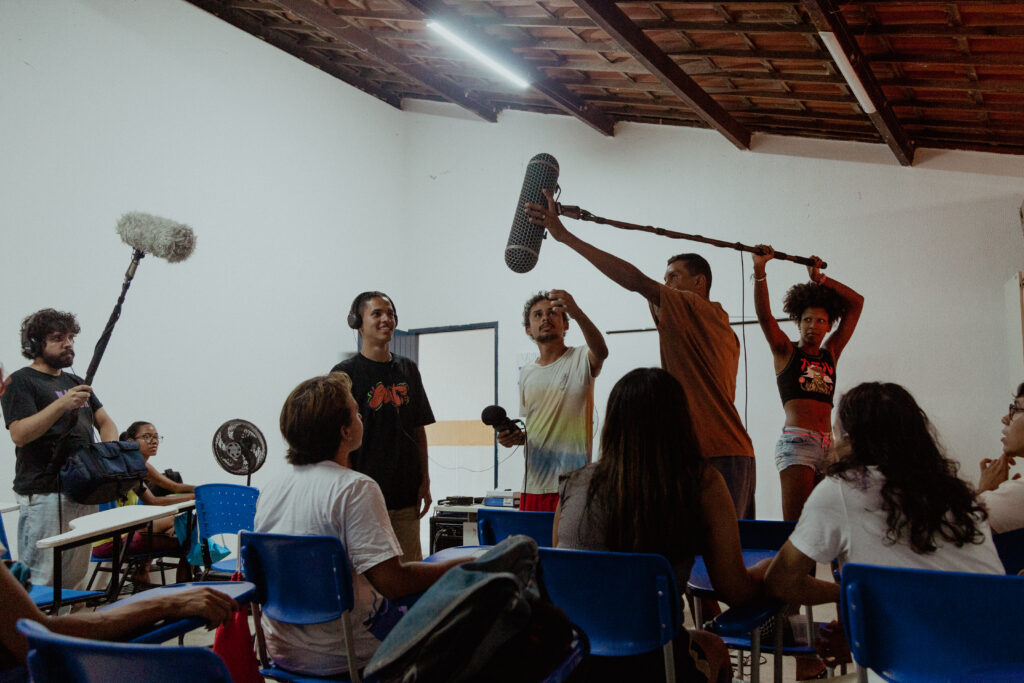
(525, 238)
(157, 236)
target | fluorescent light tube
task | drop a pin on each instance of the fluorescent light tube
(843, 62)
(477, 54)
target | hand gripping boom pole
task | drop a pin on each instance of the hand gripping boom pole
(584, 215)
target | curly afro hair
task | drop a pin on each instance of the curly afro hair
(810, 295)
(42, 324)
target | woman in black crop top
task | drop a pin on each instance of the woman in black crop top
(805, 372)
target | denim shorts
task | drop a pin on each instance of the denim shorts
(803, 447)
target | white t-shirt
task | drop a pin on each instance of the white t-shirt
(557, 402)
(1005, 506)
(326, 499)
(846, 520)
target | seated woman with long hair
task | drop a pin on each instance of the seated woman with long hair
(159, 538)
(651, 491)
(893, 498)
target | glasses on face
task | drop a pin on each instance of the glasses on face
(1014, 409)
(60, 338)
(150, 438)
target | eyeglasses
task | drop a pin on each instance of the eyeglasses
(57, 338)
(149, 437)
(1014, 409)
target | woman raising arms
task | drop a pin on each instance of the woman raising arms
(805, 372)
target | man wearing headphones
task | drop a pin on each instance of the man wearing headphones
(38, 406)
(394, 409)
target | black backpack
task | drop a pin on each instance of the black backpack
(486, 620)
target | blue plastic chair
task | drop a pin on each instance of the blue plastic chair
(626, 603)
(223, 509)
(1010, 545)
(494, 525)
(42, 596)
(54, 658)
(300, 580)
(740, 626)
(922, 625)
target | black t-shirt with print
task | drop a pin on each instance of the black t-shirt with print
(393, 405)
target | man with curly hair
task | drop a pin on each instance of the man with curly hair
(38, 405)
(556, 396)
(805, 372)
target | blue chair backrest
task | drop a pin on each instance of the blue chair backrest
(923, 625)
(299, 579)
(764, 534)
(225, 508)
(1010, 545)
(6, 555)
(54, 658)
(494, 525)
(626, 603)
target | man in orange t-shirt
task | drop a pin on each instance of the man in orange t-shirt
(698, 347)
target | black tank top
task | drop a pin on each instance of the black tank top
(807, 376)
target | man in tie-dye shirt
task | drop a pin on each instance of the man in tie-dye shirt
(556, 396)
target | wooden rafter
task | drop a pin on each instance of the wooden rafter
(245, 22)
(616, 24)
(334, 25)
(553, 91)
(826, 16)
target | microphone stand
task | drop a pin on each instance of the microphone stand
(101, 343)
(584, 215)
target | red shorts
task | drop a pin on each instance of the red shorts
(538, 502)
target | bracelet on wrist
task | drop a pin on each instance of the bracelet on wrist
(753, 276)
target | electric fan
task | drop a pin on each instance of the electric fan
(240, 448)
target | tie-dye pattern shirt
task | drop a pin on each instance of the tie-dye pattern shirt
(557, 402)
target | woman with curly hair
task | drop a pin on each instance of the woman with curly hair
(893, 499)
(805, 372)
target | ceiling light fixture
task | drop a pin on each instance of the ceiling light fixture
(846, 68)
(477, 54)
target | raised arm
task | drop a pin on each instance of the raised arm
(561, 300)
(837, 341)
(28, 429)
(780, 344)
(624, 273)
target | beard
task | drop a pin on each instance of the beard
(59, 361)
(545, 337)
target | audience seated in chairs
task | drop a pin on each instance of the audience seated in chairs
(318, 494)
(111, 624)
(651, 491)
(1001, 494)
(893, 499)
(160, 538)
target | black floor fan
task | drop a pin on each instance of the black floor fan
(240, 448)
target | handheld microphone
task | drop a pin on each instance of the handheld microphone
(525, 238)
(157, 236)
(495, 416)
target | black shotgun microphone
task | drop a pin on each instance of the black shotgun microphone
(495, 416)
(524, 239)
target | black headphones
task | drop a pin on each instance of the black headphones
(29, 345)
(355, 313)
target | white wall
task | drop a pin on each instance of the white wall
(303, 191)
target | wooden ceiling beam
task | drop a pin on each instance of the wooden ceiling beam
(555, 92)
(616, 24)
(334, 25)
(826, 16)
(939, 31)
(292, 45)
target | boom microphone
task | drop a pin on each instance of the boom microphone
(495, 416)
(524, 239)
(157, 236)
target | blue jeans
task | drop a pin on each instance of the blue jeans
(37, 520)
